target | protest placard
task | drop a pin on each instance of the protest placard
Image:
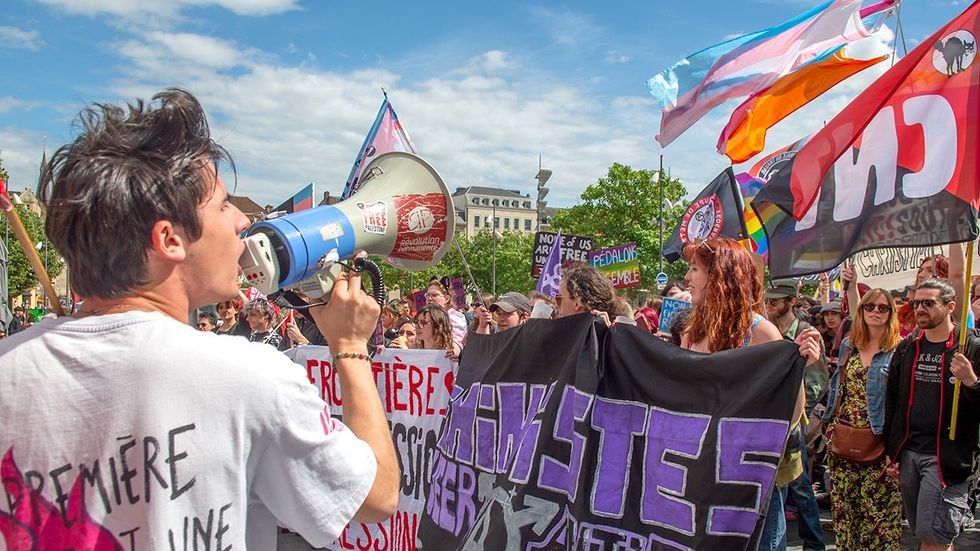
(669, 310)
(621, 264)
(414, 386)
(574, 248)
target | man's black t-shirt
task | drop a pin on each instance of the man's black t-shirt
(924, 415)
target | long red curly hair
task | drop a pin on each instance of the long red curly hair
(732, 293)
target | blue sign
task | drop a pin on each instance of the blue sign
(669, 310)
(661, 279)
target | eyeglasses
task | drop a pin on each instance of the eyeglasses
(477, 305)
(882, 308)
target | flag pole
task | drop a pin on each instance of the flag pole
(965, 309)
(10, 213)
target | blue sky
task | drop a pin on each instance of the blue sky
(292, 86)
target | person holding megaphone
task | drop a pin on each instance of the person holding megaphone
(200, 426)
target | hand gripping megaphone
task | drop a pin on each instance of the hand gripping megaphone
(402, 212)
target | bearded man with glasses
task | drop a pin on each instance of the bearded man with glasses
(935, 472)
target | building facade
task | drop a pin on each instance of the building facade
(476, 208)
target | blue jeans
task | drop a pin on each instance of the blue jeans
(774, 529)
(800, 495)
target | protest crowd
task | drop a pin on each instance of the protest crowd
(177, 406)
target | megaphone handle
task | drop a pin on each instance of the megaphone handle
(377, 279)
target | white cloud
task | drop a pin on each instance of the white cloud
(21, 153)
(8, 103)
(129, 9)
(12, 37)
(614, 57)
(205, 50)
(568, 28)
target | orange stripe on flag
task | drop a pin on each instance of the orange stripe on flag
(745, 135)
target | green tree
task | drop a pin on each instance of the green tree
(513, 251)
(624, 207)
(20, 274)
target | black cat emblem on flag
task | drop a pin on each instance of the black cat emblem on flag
(955, 52)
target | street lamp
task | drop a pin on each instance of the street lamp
(493, 214)
(656, 181)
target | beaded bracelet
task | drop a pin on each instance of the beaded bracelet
(352, 355)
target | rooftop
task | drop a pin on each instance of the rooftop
(495, 191)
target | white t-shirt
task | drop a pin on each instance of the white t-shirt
(173, 436)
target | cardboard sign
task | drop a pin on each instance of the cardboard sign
(621, 264)
(669, 310)
(574, 248)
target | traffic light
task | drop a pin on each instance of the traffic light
(543, 175)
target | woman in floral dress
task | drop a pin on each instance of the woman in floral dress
(866, 502)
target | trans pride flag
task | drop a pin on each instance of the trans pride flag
(386, 135)
(750, 63)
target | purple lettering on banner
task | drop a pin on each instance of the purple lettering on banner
(447, 500)
(515, 418)
(665, 482)
(528, 442)
(486, 431)
(555, 475)
(738, 438)
(465, 505)
(457, 439)
(618, 422)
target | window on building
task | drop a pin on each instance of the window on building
(527, 204)
(476, 221)
(496, 223)
(506, 223)
(476, 200)
(517, 223)
(486, 201)
(527, 225)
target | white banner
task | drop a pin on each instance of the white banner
(896, 268)
(414, 386)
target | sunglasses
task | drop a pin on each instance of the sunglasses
(882, 308)
(929, 303)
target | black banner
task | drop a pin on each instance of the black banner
(610, 440)
(574, 248)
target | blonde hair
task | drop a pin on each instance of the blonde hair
(860, 333)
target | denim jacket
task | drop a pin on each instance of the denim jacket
(877, 377)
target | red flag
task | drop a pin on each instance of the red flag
(897, 167)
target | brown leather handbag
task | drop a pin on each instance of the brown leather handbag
(850, 443)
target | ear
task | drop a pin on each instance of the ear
(167, 242)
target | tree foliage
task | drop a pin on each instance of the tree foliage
(624, 207)
(513, 252)
(21, 277)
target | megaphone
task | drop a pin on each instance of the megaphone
(402, 212)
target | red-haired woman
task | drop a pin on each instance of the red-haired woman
(727, 293)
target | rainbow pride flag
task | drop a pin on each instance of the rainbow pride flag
(749, 186)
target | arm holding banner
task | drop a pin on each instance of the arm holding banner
(848, 277)
(767, 332)
(957, 272)
(348, 321)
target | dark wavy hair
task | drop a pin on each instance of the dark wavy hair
(129, 168)
(442, 330)
(731, 297)
(586, 284)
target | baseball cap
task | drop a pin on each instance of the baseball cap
(511, 302)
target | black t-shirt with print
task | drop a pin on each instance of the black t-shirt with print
(924, 414)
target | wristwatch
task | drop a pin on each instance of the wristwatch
(975, 385)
